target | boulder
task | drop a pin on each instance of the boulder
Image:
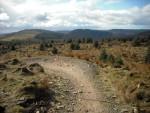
(35, 68)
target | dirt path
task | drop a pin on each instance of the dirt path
(79, 72)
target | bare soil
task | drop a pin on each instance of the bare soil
(91, 97)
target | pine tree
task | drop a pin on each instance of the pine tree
(96, 44)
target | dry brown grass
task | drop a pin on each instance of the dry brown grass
(125, 79)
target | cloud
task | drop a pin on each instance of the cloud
(43, 17)
(4, 17)
(113, 1)
(70, 14)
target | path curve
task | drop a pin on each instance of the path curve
(80, 73)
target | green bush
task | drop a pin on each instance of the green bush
(13, 47)
(115, 61)
(89, 40)
(74, 46)
(111, 58)
(103, 56)
(48, 45)
(118, 62)
(79, 41)
(54, 50)
(136, 42)
(42, 47)
(69, 41)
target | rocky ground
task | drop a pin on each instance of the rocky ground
(95, 94)
(57, 85)
(28, 89)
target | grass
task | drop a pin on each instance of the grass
(125, 79)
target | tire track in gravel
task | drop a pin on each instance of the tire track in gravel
(79, 73)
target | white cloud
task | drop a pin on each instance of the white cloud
(4, 17)
(71, 14)
(113, 1)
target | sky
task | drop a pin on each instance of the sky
(74, 14)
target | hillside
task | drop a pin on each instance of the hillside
(87, 33)
(126, 32)
(98, 34)
(49, 35)
(21, 35)
(30, 34)
(38, 34)
(145, 33)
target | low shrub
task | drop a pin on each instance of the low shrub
(103, 56)
(115, 61)
(96, 44)
(118, 62)
(54, 50)
(74, 46)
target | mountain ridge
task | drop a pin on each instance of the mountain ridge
(41, 34)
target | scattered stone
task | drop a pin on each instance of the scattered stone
(37, 111)
(36, 68)
(79, 100)
(81, 85)
(73, 103)
(58, 107)
(75, 92)
(70, 109)
(135, 110)
(115, 108)
(124, 111)
(80, 91)
(114, 96)
(50, 83)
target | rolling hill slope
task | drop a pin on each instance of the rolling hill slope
(87, 33)
(38, 34)
(31, 34)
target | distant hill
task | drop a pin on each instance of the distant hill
(31, 34)
(98, 34)
(126, 32)
(38, 34)
(144, 34)
(87, 33)
(46, 35)
(21, 35)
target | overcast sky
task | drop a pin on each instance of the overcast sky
(73, 14)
